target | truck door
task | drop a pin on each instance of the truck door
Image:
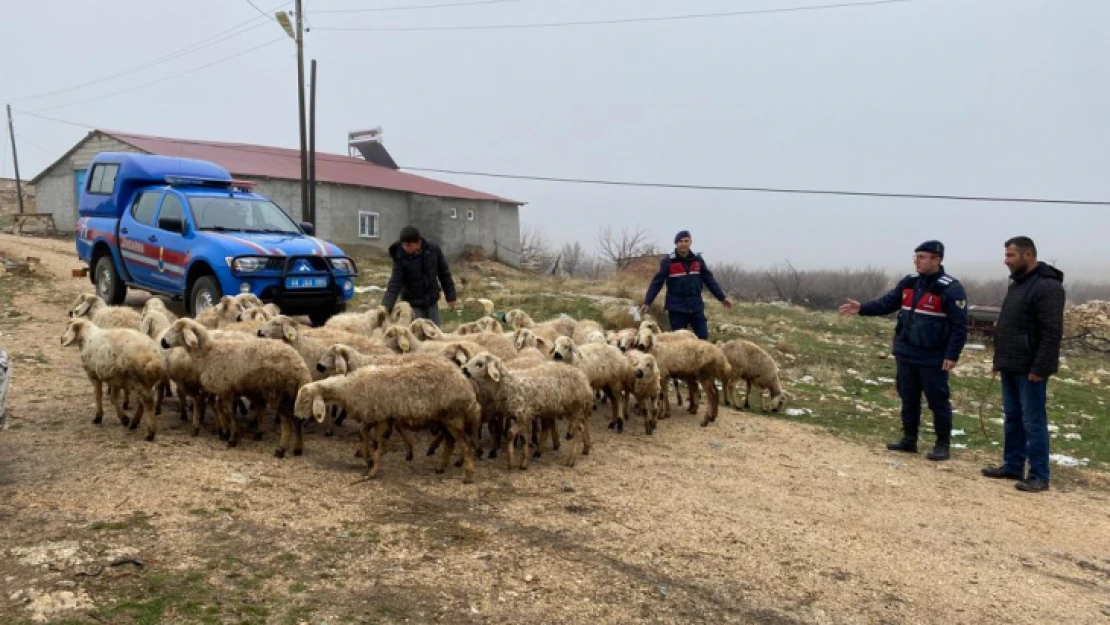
(138, 238)
(172, 239)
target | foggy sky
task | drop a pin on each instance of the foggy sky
(971, 97)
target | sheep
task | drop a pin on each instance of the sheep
(376, 396)
(605, 367)
(247, 322)
(266, 372)
(402, 314)
(528, 396)
(623, 339)
(676, 335)
(364, 323)
(90, 306)
(691, 360)
(402, 341)
(754, 366)
(156, 320)
(588, 331)
(227, 310)
(489, 324)
(559, 326)
(122, 358)
(646, 386)
(157, 303)
(525, 339)
(427, 330)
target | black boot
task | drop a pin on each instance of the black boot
(908, 445)
(940, 449)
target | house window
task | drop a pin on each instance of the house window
(368, 225)
(453, 212)
(470, 215)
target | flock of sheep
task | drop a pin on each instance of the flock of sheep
(393, 374)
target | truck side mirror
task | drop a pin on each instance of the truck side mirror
(308, 228)
(172, 224)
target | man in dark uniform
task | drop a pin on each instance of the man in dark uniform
(928, 338)
(419, 269)
(685, 274)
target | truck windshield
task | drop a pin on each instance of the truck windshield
(229, 213)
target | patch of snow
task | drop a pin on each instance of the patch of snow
(1068, 461)
(373, 288)
(959, 433)
(886, 380)
(795, 412)
(1073, 437)
(959, 446)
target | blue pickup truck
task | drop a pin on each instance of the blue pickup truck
(185, 229)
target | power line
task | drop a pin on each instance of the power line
(415, 7)
(47, 151)
(260, 11)
(669, 185)
(160, 80)
(187, 50)
(702, 187)
(628, 20)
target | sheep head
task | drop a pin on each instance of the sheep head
(645, 341)
(402, 313)
(518, 319)
(485, 368)
(247, 300)
(458, 353)
(281, 328)
(565, 351)
(399, 339)
(271, 310)
(379, 317)
(154, 303)
(185, 333)
(154, 322)
(310, 404)
(525, 338)
(75, 332)
(86, 305)
(337, 359)
(778, 402)
(595, 336)
(488, 324)
(651, 326)
(425, 329)
(644, 366)
(254, 314)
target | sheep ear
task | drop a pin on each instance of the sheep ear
(144, 327)
(289, 332)
(81, 309)
(495, 370)
(319, 409)
(340, 364)
(190, 337)
(574, 350)
(404, 343)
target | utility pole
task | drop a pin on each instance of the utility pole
(306, 209)
(312, 143)
(15, 161)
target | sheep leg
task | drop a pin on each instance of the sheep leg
(710, 387)
(510, 454)
(229, 419)
(664, 397)
(406, 440)
(198, 410)
(496, 427)
(366, 433)
(650, 415)
(458, 433)
(115, 397)
(379, 447)
(692, 391)
(747, 394)
(98, 393)
(183, 404)
(286, 434)
(126, 399)
(159, 397)
(260, 419)
(448, 450)
(147, 405)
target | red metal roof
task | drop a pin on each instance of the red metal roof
(243, 159)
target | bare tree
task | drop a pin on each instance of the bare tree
(572, 256)
(535, 251)
(618, 248)
(787, 282)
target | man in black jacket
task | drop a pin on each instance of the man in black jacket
(1026, 353)
(419, 269)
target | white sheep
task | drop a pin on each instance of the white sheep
(694, 361)
(605, 367)
(157, 303)
(402, 314)
(268, 373)
(646, 387)
(527, 397)
(755, 367)
(227, 310)
(588, 331)
(90, 306)
(378, 396)
(123, 359)
(364, 323)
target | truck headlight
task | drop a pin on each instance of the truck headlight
(342, 265)
(249, 264)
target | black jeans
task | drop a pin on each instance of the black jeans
(429, 312)
(913, 380)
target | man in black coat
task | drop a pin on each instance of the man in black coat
(1026, 353)
(419, 270)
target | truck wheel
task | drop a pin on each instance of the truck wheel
(204, 295)
(320, 317)
(109, 286)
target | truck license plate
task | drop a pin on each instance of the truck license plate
(306, 283)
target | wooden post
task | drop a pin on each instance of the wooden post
(15, 161)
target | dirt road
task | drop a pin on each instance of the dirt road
(751, 520)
